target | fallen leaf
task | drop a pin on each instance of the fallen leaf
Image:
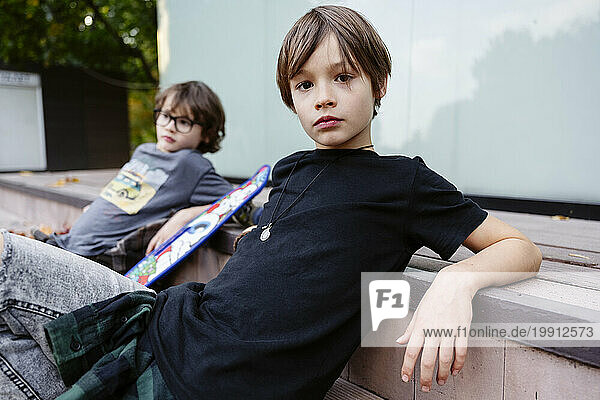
(46, 229)
(59, 183)
(20, 233)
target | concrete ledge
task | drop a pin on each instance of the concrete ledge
(47, 185)
(49, 195)
(36, 211)
(510, 306)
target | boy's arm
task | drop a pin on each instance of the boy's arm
(503, 255)
(498, 247)
(175, 223)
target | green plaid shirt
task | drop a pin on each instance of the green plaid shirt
(102, 354)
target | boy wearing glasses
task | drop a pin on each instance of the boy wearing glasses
(161, 178)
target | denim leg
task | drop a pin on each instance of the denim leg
(38, 283)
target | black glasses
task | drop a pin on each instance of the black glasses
(182, 124)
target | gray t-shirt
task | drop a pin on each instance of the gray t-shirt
(151, 185)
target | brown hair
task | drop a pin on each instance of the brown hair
(359, 43)
(203, 105)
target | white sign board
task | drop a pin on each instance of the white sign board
(22, 138)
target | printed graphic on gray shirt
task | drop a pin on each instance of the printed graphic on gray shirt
(134, 186)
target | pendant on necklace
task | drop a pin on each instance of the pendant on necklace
(266, 233)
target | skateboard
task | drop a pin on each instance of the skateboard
(164, 258)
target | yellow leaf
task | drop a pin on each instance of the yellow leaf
(59, 183)
(46, 229)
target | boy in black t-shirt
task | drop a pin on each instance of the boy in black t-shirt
(282, 318)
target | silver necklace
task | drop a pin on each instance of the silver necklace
(266, 229)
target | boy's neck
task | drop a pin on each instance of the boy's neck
(369, 147)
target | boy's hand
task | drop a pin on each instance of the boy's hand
(498, 247)
(445, 305)
(175, 223)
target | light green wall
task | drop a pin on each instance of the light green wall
(502, 98)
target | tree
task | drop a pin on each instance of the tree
(114, 40)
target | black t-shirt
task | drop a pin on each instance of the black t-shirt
(283, 317)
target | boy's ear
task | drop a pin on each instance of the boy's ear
(382, 89)
(203, 138)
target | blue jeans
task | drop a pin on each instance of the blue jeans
(38, 283)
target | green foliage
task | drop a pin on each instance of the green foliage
(141, 125)
(112, 36)
(116, 39)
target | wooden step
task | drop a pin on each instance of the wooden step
(344, 390)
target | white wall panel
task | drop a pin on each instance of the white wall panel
(501, 97)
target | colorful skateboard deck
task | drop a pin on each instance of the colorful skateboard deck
(198, 230)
